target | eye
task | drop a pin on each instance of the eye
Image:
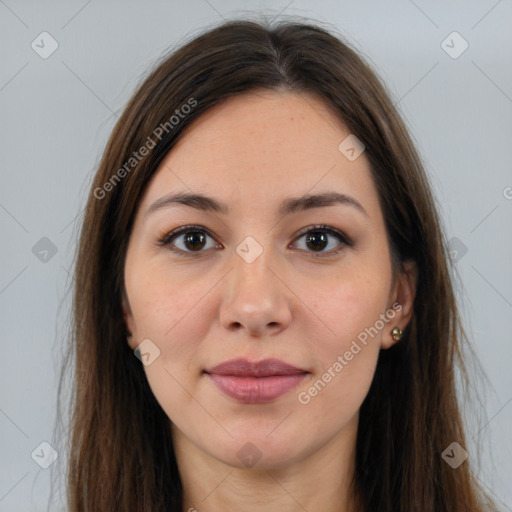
(317, 238)
(191, 238)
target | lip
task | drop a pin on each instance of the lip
(255, 382)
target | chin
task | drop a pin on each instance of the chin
(257, 452)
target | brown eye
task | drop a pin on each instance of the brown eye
(194, 240)
(318, 238)
(188, 239)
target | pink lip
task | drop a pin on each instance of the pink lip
(255, 382)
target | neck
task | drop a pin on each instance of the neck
(319, 481)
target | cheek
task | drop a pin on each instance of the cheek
(347, 345)
(171, 310)
(349, 304)
(167, 310)
(160, 301)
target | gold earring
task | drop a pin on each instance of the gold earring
(397, 333)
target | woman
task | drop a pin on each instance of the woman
(264, 311)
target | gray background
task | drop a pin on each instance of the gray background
(56, 115)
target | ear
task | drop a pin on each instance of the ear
(128, 320)
(402, 295)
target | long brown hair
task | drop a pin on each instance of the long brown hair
(120, 451)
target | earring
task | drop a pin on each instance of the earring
(397, 333)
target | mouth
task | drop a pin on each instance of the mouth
(255, 382)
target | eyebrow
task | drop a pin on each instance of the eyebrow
(287, 207)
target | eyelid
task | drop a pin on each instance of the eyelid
(344, 239)
(329, 229)
(166, 240)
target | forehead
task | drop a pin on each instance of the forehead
(262, 146)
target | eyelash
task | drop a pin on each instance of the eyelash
(169, 237)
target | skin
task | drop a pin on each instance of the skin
(292, 303)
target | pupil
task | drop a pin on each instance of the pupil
(191, 240)
(316, 236)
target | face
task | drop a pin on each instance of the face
(256, 274)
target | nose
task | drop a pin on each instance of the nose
(255, 299)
